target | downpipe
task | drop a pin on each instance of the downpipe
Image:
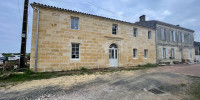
(36, 44)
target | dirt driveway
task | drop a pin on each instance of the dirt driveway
(150, 84)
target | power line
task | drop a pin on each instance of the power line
(19, 11)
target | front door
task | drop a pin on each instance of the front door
(113, 55)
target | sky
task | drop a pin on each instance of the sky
(186, 13)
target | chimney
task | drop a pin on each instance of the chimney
(142, 18)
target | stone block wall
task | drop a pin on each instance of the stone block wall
(94, 36)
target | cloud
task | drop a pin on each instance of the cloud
(183, 12)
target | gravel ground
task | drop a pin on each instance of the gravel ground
(125, 85)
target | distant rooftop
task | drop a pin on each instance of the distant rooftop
(152, 24)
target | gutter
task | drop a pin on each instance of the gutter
(36, 44)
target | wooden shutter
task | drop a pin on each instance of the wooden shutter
(175, 53)
(170, 35)
(174, 38)
(166, 53)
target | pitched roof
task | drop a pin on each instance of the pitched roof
(152, 24)
(63, 9)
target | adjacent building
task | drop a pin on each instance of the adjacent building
(63, 39)
(173, 42)
(197, 51)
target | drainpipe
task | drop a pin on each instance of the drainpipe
(36, 44)
(156, 40)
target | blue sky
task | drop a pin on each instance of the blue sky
(183, 12)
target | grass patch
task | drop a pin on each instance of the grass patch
(29, 75)
(194, 89)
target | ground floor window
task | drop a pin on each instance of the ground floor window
(134, 53)
(191, 54)
(145, 53)
(172, 53)
(75, 51)
(164, 53)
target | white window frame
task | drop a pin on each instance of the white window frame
(164, 53)
(135, 53)
(145, 53)
(75, 51)
(116, 29)
(75, 19)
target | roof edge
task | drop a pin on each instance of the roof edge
(63, 9)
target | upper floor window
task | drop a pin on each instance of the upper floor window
(134, 32)
(114, 29)
(179, 35)
(149, 34)
(172, 36)
(182, 37)
(134, 53)
(189, 38)
(75, 53)
(145, 53)
(163, 34)
(74, 23)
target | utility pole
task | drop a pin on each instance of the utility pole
(24, 35)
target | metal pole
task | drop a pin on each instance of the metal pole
(24, 35)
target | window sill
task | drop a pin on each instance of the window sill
(75, 59)
(135, 58)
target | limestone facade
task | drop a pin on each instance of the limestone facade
(94, 36)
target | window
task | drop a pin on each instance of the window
(145, 53)
(134, 53)
(74, 23)
(189, 38)
(172, 53)
(164, 53)
(172, 36)
(134, 32)
(182, 37)
(191, 54)
(75, 51)
(149, 34)
(179, 37)
(163, 34)
(114, 29)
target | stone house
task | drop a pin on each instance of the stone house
(197, 48)
(63, 39)
(197, 51)
(173, 42)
